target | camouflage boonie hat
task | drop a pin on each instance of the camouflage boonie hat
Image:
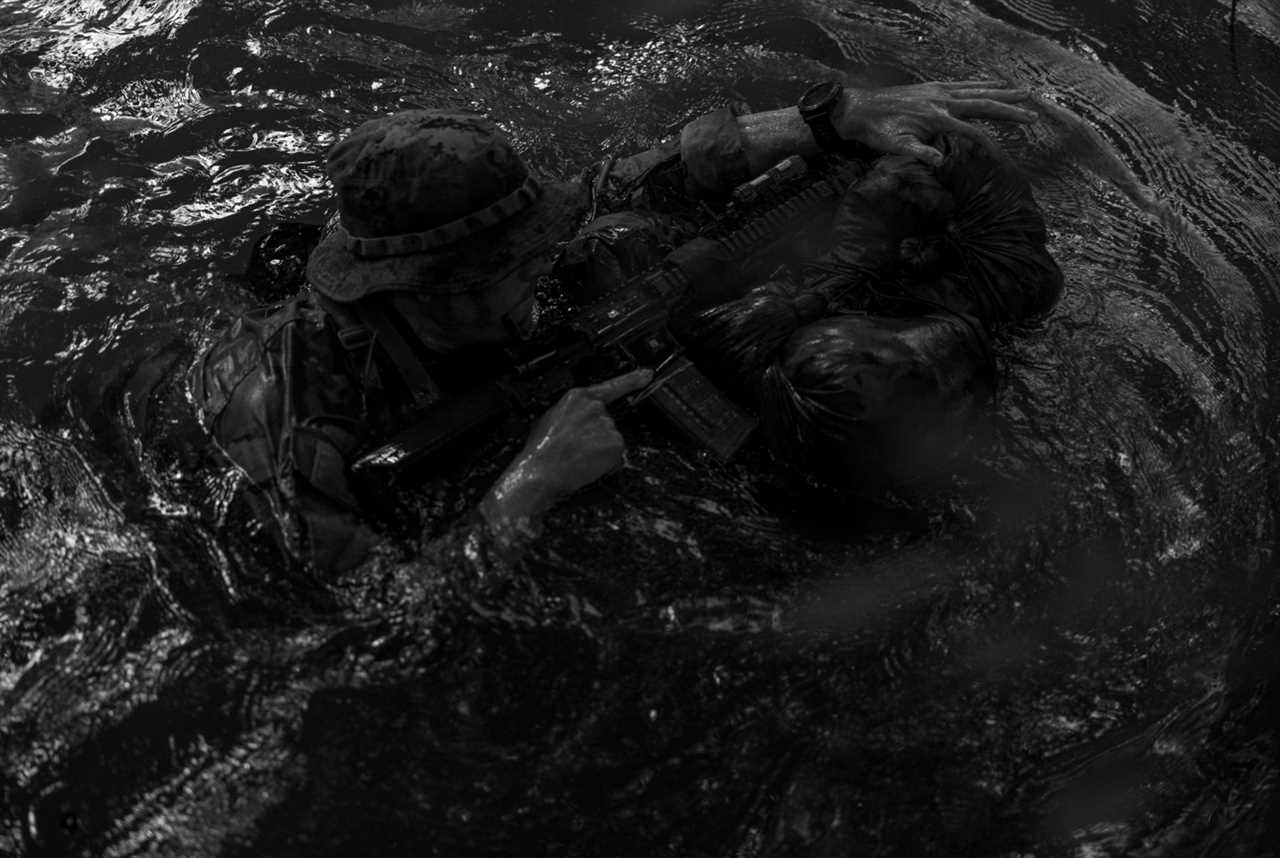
(434, 202)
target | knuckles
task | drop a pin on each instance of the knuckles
(581, 437)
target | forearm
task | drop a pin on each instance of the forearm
(574, 444)
(769, 137)
(515, 506)
(721, 150)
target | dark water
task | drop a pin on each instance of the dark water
(1072, 651)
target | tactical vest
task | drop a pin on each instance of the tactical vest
(393, 361)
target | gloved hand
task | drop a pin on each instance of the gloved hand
(902, 120)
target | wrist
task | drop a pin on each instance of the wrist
(848, 119)
(520, 498)
(844, 110)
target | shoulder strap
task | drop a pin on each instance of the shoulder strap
(373, 314)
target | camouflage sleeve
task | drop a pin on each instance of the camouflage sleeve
(706, 162)
(277, 397)
(712, 153)
(616, 246)
(646, 205)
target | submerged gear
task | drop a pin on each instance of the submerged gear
(873, 402)
(434, 202)
(967, 236)
(870, 373)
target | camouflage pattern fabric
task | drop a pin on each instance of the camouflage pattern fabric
(280, 395)
(292, 392)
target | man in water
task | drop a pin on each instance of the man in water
(441, 237)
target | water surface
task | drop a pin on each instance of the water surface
(1068, 652)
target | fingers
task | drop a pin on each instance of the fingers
(952, 85)
(1003, 93)
(919, 151)
(617, 387)
(985, 108)
(951, 125)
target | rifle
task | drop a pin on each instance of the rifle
(630, 328)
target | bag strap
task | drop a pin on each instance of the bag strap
(374, 315)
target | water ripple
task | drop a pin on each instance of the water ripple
(1056, 653)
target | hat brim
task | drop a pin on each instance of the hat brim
(466, 266)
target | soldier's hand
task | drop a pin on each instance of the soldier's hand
(571, 446)
(576, 442)
(900, 120)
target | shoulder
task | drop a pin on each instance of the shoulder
(617, 178)
(252, 344)
(616, 246)
(656, 179)
(703, 163)
(712, 152)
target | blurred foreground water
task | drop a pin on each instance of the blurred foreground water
(1070, 652)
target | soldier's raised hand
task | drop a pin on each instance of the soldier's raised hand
(901, 120)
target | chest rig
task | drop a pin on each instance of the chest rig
(402, 376)
(388, 355)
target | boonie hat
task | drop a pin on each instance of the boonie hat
(434, 202)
